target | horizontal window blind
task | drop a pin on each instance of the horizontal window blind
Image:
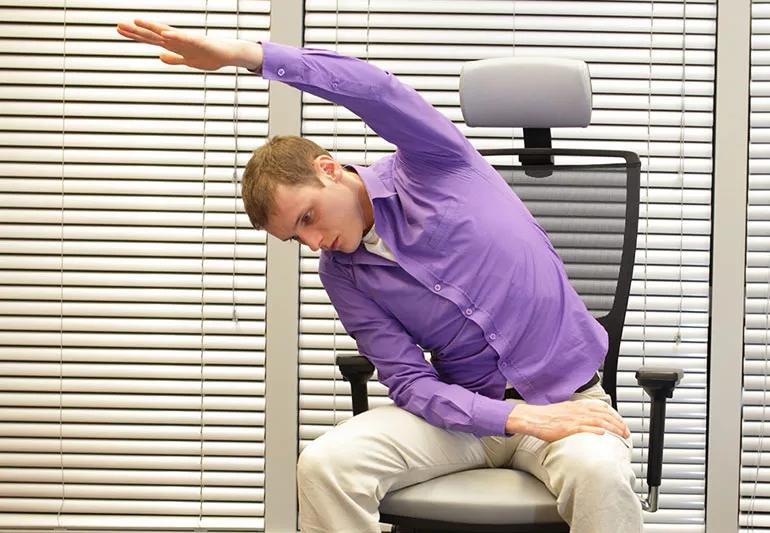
(132, 290)
(652, 69)
(755, 474)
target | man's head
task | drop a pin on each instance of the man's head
(293, 188)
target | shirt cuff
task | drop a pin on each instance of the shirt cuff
(280, 62)
(490, 416)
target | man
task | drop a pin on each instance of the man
(429, 248)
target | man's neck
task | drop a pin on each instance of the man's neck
(364, 201)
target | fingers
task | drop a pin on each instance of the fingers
(154, 27)
(617, 425)
(133, 32)
(171, 58)
(160, 35)
(601, 425)
(605, 416)
(149, 32)
(618, 421)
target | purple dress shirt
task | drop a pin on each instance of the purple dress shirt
(477, 282)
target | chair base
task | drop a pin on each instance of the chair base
(417, 525)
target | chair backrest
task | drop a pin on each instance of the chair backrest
(590, 211)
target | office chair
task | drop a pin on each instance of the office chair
(588, 203)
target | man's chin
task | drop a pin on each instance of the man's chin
(344, 249)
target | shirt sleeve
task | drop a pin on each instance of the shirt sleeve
(396, 112)
(412, 381)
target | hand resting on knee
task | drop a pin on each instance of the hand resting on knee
(558, 420)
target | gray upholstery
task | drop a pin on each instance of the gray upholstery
(483, 496)
(526, 92)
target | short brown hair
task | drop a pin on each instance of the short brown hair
(284, 159)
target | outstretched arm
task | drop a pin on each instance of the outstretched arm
(395, 111)
(196, 51)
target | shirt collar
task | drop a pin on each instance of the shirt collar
(375, 187)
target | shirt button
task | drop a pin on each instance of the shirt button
(492, 336)
(503, 364)
(469, 311)
(437, 287)
(281, 72)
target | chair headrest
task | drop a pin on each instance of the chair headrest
(526, 92)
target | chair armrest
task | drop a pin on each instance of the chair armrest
(659, 383)
(357, 370)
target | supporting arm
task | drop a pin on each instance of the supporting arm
(659, 383)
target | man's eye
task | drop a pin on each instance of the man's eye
(307, 218)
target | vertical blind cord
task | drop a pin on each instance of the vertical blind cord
(336, 156)
(646, 234)
(366, 52)
(235, 165)
(513, 53)
(203, 276)
(678, 338)
(61, 264)
(334, 136)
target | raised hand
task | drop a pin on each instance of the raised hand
(197, 51)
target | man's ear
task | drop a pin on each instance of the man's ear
(318, 162)
(327, 165)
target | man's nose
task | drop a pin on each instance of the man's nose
(312, 240)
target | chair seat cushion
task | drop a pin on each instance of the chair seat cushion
(482, 496)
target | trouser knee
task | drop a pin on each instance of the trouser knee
(338, 468)
(595, 460)
(315, 464)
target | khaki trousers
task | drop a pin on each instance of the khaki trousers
(343, 475)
